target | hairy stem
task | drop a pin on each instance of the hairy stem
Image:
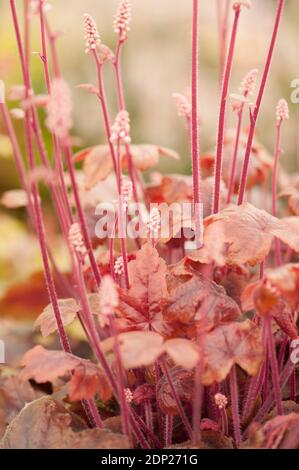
(235, 405)
(232, 178)
(274, 365)
(177, 400)
(194, 127)
(222, 113)
(277, 245)
(256, 110)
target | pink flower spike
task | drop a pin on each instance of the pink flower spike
(127, 193)
(220, 400)
(120, 131)
(282, 111)
(242, 3)
(108, 296)
(128, 395)
(183, 105)
(249, 82)
(92, 36)
(76, 239)
(59, 109)
(119, 266)
(154, 223)
(121, 23)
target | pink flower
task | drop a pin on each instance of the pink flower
(249, 82)
(59, 109)
(119, 266)
(282, 111)
(154, 223)
(120, 131)
(183, 105)
(220, 400)
(127, 193)
(121, 23)
(76, 239)
(128, 395)
(92, 36)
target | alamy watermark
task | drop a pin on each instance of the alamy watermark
(295, 92)
(135, 220)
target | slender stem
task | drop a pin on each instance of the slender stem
(104, 107)
(148, 415)
(274, 365)
(86, 238)
(198, 388)
(121, 377)
(268, 404)
(52, 40)
(231, 183)
(222, 113)
(223, 17)
(168, 430)
(177, 400)
(277, 245)
(293, 385)
(194, 127)
(256, 111)
(38, 218)
(122, 106)
(235, 405)
(224, 421)
(57, 153)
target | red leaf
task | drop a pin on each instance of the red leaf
(88, 380)
(140, 305)
(183, 383)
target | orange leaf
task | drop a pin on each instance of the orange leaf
(200, 300)
(234, 343)
(244, 234)
(46, 366)
(68, 309)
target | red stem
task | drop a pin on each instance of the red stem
(222, 113)
(231, 183)
(274, 365)
(177, 400)
(277, 245)
(86, 238)
(194, 127)
(168, 430)
(256, 111)
(235, 405)
(122, 106)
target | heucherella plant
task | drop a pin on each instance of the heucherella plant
(189, 335)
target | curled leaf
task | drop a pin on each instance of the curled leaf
(244, 234)
(46, 424)
(200, 300)
(46, 366)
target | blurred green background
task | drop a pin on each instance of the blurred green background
(156, 63)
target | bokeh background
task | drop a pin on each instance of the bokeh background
(156, 63)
